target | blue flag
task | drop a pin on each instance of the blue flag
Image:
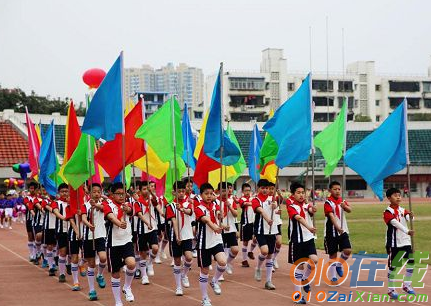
(254, 154)
(291, 127)
(48, 160)
(188, 139)
(383, 152)
(104, 116)
(214, 138)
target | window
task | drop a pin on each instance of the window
(290, 86)
(198, 115)
(349, 102)
(427, 86)
(377, 87)
(403, 86)
(236, 101)
(356, 185)
(323, 117)
(323, 101)
(413, 103)
(427, 103)
(377, 102)
(275, 76)
(377, 118)
(247, 84)
(345, 86)
(394, 102)
(322, 85)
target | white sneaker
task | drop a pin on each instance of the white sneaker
(150, 270)
(10, 227)
(216, 287)
(128, 294)
(195, 254)
(1, 225)
(118, 304)
(124, 269)
(276, 263)
(206, 302)
(257, 275)
(179, 291)
(229, 269)
(145, 280)
(164, 256)
(157, 260)
(221, 279)
(185, 281)
(172, 263)
(210, 267)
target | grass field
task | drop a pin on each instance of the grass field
(367, 229)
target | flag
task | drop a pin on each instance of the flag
(204, 164)
(128, 178)
(291, 127)
(72, 135)
(170, 176)
(134, 147)
(254, 154)
(240, 165)
(104, 118)
(160, 183)
(332, 139)
(156, 167)
(33, 146)
(383, 152)
(48, 161)
(268, 153)
(188, 139)
(77, 170)
(215, 137)
(157, 131)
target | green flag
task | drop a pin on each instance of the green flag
(157, 131)
(77, 170)
(331, 141)
(240, 165)
(170, 176)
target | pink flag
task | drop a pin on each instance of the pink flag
(160, 183)
(33, 146)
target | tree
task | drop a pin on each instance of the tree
(17, 100)
(362, 118)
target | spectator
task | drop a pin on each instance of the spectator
(428, 190)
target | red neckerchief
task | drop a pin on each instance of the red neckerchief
(301, 205)
(396, 212)
(224, 201)
(181, 202)
(120, 211)
(262, 197)
(337, 203)
(211, 210)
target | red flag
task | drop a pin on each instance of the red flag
(33, 146)
(76, 199)
(204, 166)
(109, 156)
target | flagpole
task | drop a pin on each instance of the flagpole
(89, 153)
(227, 189)
(123, 138)
(276, 188)
(343, 194)
(221, 139)
(408, 170)
(187, 146)
(312, 153)
(174, 144)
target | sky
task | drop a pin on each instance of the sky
(46, 46)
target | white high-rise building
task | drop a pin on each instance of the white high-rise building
(249, 96)
(184, 81)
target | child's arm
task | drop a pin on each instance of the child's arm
(214, 227)
(56, 212)
(74, 227)
(233, 211)
(175, 226)
(121, 224)
(335, 223)
(401, 227)
(86, 222)
(346, 207)
(147, 223)
(304, 223)
(264, 215)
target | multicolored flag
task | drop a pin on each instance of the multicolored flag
(33, 146)
(254, 154)
(48, 161)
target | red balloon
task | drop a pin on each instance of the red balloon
(93, 77)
